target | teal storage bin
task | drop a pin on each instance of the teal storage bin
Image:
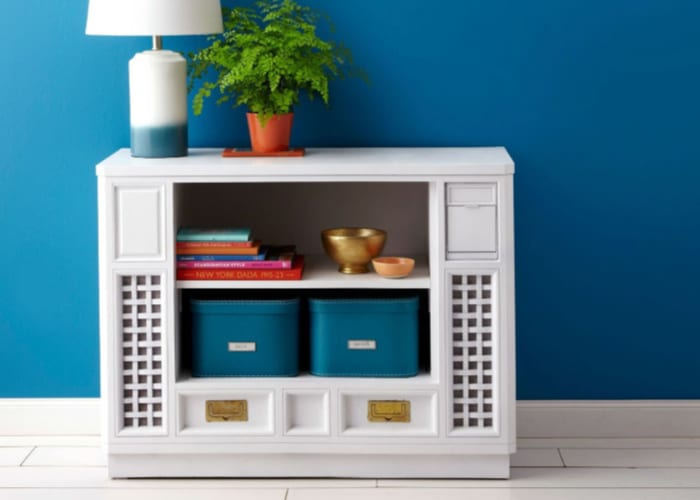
(245, 338)
(364, 337)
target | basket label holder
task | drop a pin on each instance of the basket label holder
(241, 347)
(362, 345)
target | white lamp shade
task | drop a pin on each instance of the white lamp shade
(154, 17)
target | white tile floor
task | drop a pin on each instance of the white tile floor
(64, 467)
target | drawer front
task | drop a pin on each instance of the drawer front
(472, 221)
(471, 228)
(388, 414)
(226, 413)
(458, 194)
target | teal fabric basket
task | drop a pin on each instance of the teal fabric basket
(245, 338)
(364, 337)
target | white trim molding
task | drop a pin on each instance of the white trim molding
(535, 419)
(50, 417)
(609, 419)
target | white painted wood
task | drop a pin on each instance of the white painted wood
(536, 457)
(471, 228)
(139, 352)
(336, 465)
(13, 455)
(529, 481)
(608, 443)
(471, 221)
(354, 421)
(631, 458)
(395, 447)
(477, 386)
(57, 440)
(319, 163)
(172, 493)
(321, 272)
(408, 493)
(585, 478)
(307, 412)
(293, 430)
(35, 416)
(140, 225)
(614, 419)
(472, 193)
(67, 456)
(58, 478)
(559, 424)
(260, 410)
(506, 307)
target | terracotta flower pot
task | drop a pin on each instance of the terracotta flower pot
(274, 136)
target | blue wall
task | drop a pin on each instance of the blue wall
(597, 101)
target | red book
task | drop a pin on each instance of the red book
(205, 248)
(245, 274)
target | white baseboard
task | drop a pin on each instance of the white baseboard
(609, 419)
(535, 419)
(50, 417)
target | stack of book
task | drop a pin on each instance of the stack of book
(232, 254)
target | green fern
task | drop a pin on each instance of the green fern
(266, 57)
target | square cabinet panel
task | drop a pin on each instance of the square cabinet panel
(139, 217)
(471, 228)
(306, 413)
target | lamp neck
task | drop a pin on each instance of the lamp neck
(157, 43)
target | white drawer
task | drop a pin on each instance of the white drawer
(472, 221)
(460, 194)
(226, 413)
(388, 414)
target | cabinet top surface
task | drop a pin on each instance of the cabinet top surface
(342, 162)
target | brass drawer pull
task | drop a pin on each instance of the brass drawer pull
(388, 411)
(227, 411)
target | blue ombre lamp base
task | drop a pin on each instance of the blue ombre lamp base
(159, 142)
(158, 104)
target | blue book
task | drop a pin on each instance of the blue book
(213, 234)
(200, 258)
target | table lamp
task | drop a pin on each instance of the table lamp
(157, 78)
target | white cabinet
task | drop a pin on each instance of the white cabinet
(450, 208)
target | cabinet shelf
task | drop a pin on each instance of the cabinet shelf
(305, 380)
(321, 272)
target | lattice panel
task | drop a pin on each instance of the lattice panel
(142, 351)
(473, 351)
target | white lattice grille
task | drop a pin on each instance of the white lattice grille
(473, 356)
(142, 351)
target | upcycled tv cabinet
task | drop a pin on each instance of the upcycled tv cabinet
(451, 208)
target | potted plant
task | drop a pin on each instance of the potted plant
(267, 56)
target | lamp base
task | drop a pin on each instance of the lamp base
(158, 107)
(159, 142)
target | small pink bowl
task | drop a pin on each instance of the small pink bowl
(393, 267)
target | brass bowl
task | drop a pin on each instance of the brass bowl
(353, 247)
